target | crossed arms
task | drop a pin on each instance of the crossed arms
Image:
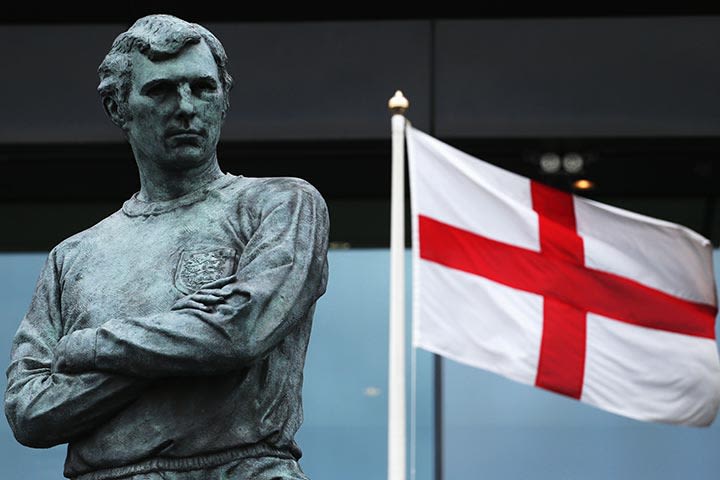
(61, 387)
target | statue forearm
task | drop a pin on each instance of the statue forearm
(46, 409)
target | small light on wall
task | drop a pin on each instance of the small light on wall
(550, 162)
(573, 162)
(583, 184)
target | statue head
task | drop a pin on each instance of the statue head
(165, 83)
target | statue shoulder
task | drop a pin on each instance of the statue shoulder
(83, 240)
(280, 197)
(269, 187)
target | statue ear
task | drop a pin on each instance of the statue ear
(112, 108)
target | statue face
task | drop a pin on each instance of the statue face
(175, 108)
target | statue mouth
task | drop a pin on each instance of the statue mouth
(188, 137)
(188, 133)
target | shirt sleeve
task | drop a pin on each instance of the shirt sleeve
(46, 408)
(281, 273)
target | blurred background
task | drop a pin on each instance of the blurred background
(619, 105)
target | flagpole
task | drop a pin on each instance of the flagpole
(398, 104)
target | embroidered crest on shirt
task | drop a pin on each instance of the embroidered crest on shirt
(199, 268)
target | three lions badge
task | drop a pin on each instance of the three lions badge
(198, 268)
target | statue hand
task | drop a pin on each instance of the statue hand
(207, 297)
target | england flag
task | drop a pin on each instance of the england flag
(607, 306)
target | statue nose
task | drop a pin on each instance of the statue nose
(185, 103)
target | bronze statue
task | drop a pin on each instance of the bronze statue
(168, 341)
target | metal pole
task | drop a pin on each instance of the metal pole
(396, 375)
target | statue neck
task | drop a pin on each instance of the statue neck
(158, 184)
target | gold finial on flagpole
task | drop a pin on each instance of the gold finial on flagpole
(398, 103)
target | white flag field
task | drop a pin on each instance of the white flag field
(607, 306)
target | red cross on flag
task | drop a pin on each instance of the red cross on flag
(607, 306)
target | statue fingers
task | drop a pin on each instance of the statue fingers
(206, 298)
(187, 302)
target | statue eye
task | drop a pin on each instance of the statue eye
(158, 89)
(204, 85)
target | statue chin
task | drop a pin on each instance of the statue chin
(186, 155)
(187, 151)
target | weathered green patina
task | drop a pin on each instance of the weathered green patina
(168, 341)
